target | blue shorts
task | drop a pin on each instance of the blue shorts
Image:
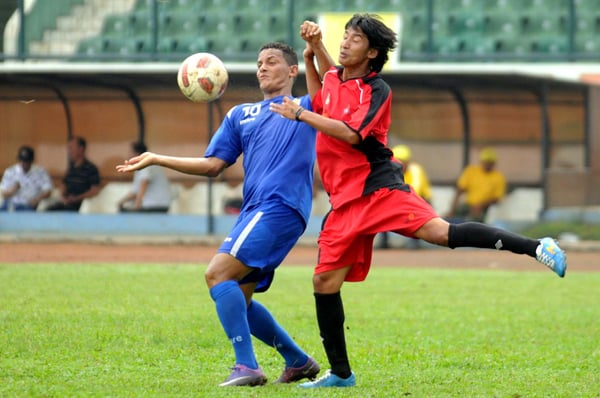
(261, 239)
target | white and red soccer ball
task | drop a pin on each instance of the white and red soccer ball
(202, 77)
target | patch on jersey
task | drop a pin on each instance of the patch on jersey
(499, 244)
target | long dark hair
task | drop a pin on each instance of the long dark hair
(381, 38)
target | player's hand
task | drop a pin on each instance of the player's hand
(311, 32)
(136, 163)
(287, 108)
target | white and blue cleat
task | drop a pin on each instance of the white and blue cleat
(552, 256)
(330, 380)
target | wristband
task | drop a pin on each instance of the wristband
(298, 112)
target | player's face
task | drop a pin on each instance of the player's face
(275, 76)
(354, 49)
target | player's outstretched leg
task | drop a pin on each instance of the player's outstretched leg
(473, 234)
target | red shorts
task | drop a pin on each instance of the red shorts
(348, 232)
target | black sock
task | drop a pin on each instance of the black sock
(474, 234)
(330, 316)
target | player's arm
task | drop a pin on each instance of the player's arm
(209, 167)
(311, 33)
(331, 127)
(313, 80)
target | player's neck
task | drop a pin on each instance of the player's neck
(349, 73)
(268, 96)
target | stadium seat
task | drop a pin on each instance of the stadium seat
(125, 45)
(194, 200)
(589, 44)
(448, 45)
(413, 45)
(224, 44)
(441, 198)
(550, 44)
(522, 204)
(459, 23)
(141, 23)
(53, 198)
(106, 202)
(512, 47)
(117, 25)
(502, 24)
(475, 45)
(174, 24)
(251, 43)
(244, 23)
(91, 46)
(539, 25)
(190, 44)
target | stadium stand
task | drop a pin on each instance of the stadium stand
(194, 200)
(454, 30)
(462, 30)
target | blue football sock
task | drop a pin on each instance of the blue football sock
(265, 328)
(231, 309)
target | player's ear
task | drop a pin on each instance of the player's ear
(294, 71)
(372, 54)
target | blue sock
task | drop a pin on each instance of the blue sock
(265, 328)
(231, 309)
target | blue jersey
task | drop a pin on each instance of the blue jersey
(279, 154)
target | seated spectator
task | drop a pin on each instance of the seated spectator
(415, 176)
(81, 181)
(24, 184)
(151, 191)
(482, 185)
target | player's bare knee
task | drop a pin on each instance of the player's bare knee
(434, 231)
(210, 277)
(326, 283)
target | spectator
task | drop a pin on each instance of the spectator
(482, 185)
(151, 191)
(24, 184)
(415, 176)
(81, 181)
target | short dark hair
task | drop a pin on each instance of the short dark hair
(289, 54)
(139, 147)
(381, 38)
(26, 154)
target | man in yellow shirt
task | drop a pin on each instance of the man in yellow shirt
(414, 173)
(415, 176)
(482, 185)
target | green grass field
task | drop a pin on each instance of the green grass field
(98, 330)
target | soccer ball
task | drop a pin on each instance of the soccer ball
(202, 77)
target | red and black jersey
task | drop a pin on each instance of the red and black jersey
(364, 105)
